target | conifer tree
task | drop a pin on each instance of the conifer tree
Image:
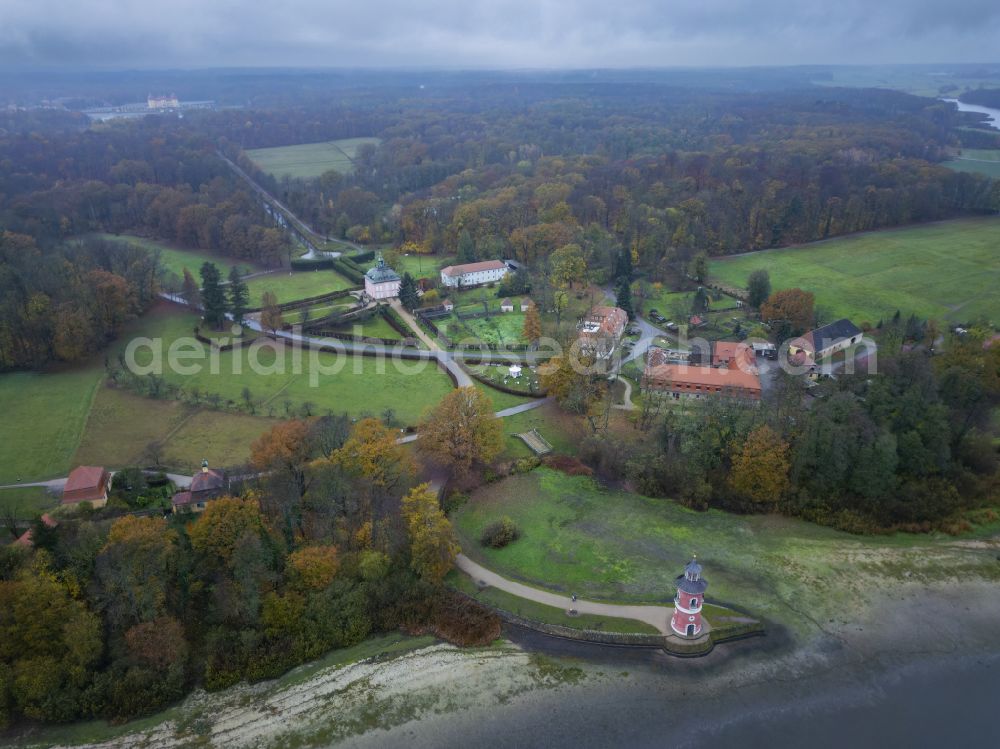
(213, 297)
(239, 296)
(623, 297)
(408, 292)
(190, 290)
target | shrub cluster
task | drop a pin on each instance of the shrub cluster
(499, 533)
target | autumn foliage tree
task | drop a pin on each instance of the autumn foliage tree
(462, 430)
(760, 467)
(313, 567)
(532, 329)
(791, 309)
(270, 313)
(433, 546)
(218, 529)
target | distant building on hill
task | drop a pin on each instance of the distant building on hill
(381, 281)
(87, 484)
(163, 102)
(823, 342)
(689, 600)
(473, 274)
(207, 484)
(506, 306)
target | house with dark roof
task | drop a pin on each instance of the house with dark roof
(381, 281)
(506, 306)
(826, 341)
(87, 484)
(206, 485)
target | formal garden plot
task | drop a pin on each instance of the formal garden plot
(946, 271)
(513, 376)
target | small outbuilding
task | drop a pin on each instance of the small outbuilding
(87, 484)
(506, 306)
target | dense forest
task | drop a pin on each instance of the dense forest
(984, 97)
(664, 171)
(115, 615)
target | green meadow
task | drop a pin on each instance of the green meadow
(43, 417)
(359, 385)
(977, 160)
(608, 544)
(290, 286)
(947, 271)
(309, 159)
(174, 259)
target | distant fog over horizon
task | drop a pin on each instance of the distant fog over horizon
(508, 34)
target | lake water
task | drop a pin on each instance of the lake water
(993, 115)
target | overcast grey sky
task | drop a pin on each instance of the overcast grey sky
(492, 33)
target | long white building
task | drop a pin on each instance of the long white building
(473, 274)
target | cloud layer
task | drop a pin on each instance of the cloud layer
(491, 33)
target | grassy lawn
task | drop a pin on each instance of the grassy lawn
(539, 612)
(122, 424)
(375, 326)
(27, 502)
(358, 385)
(309, 159)
(175, 260)
(946, 271)
(500, 399)
(43, 416)
(320, 311)
(979, 161)
(613, 545)
(292, 286)
(561, 430)
(423, 266)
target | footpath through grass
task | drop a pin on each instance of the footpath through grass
(539, 612)
(613, 545)
(947, 271)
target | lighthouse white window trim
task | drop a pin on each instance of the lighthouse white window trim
(690, 618)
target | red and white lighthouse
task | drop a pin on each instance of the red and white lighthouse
(691, 586)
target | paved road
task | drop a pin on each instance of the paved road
(181, 480)
(657, 616)
(295, 223)
(512, 411)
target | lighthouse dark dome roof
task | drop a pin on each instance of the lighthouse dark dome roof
(692, 581)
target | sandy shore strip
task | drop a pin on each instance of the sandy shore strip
(510, 695)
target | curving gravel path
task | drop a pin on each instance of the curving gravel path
(657, 616)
